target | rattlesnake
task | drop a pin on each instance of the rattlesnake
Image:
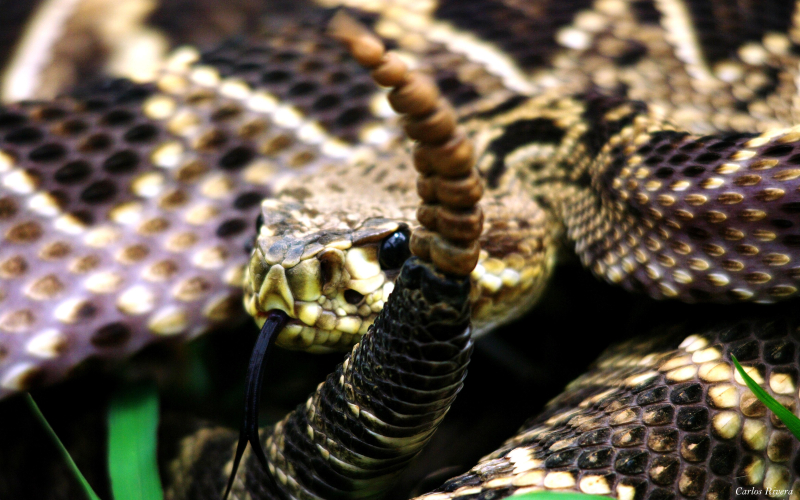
(617, 104)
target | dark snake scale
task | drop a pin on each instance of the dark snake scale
(654, 139)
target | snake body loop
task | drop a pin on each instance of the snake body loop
(665, 415)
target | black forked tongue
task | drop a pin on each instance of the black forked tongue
(275, 322)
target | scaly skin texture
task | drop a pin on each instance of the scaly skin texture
(372, 415)
(656, 138)
(665, 416)
(129, 206)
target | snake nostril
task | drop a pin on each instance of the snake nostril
(353, 297)
(331, 264)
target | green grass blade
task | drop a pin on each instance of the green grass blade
(557, 495)
(61, 449)
(788, 418)
(132, 441)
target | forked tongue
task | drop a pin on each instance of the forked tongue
(248, 432)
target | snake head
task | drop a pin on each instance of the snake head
(329, 260)
(330, 272)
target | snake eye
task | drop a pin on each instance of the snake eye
(394, 250)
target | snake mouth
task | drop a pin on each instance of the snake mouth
(330, 323)
(331, 297)
(301, 336)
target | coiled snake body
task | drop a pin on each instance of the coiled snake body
(656, 138)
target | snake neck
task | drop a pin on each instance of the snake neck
(372, 415)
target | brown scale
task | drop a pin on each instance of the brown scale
(298, 64)
(699, 218)
(293, 59)
(153, 248)
(527, 31)
(664, 416)
(82, 153)
(731, 26)
(450, 188)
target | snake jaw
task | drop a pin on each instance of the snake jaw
(328, 280)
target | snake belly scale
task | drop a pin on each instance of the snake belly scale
(655, 138)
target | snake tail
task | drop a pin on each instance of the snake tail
(371, 416)
(449, 185)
